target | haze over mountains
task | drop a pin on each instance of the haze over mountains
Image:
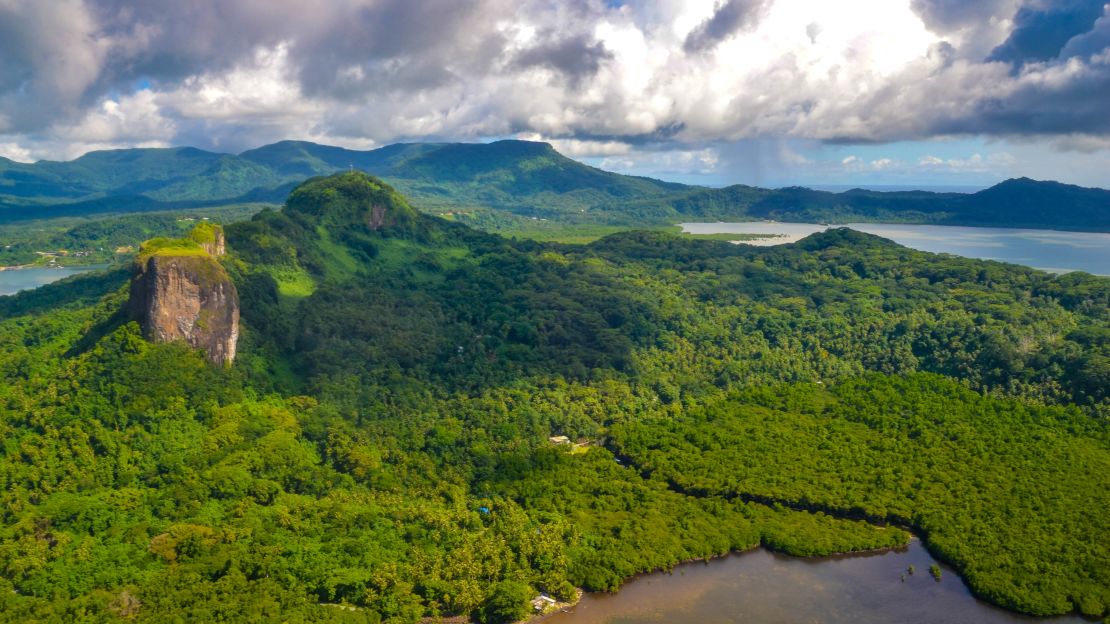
(525, 178)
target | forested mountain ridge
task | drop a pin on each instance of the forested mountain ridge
(381, 440)
(521, 178)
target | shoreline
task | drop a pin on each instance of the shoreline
(568, 607)
(79, 267)
(891, 519)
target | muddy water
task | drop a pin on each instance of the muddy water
(760, 587)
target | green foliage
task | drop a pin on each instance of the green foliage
(507, 602)
(379, 451)
(1000, 489)
(935, 571)
(192, 244)
(351, 200)
(163, 246)
(204, 233)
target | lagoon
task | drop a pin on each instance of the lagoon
(761, 587)
(1048, 250)
(15, 280)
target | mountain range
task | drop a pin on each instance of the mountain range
(522, 178)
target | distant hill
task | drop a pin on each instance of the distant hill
(1014, 203)
(524, 178)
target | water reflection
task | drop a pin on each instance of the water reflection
(760, 587)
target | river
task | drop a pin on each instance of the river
(1049, 250)
(761, 587)
(15, 280)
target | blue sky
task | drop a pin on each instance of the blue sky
(966, 162)
(770, 92)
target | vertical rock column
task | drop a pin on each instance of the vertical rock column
(183, 293)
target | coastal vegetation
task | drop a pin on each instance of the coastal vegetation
(994, 486)
(382, 448)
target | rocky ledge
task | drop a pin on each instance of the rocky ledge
(181, 292)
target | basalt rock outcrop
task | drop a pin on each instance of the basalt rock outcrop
(211, 239)
(181, 292)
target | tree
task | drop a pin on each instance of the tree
(507, 602)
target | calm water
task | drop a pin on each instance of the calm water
(760, 587)
(1049, 250)
(16, 280)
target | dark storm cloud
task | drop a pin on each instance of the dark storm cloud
(729, 17)
(1041, 33)
(346, 47)
(576, 57)
(944, 16)
(47, 61)
(56, 55)
(400, 45)
(166, 40)
(1040, 106)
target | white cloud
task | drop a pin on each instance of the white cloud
(259, 89)
(668, 164)
(975, 163)
(15, 152)
(594, 80)
(580, 148)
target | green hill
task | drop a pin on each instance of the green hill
(382, 440)
(1013, 203)
(509, 180)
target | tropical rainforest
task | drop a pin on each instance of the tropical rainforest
(381, 449)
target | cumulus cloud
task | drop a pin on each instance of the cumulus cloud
(972, 28)
(729, 17)
(596, 77)
(49, 58)
(976, 163)
(1092, 42)
(665, 163)
(856, 164)
(1040, 33)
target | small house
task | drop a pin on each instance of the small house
(543, 602)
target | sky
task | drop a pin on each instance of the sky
(767, 92)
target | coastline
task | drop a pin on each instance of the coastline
(569, 606)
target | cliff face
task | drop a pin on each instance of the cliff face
(215, 247)
(178, 296)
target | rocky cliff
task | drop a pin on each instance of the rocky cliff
(210, 237)
(181, 292)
